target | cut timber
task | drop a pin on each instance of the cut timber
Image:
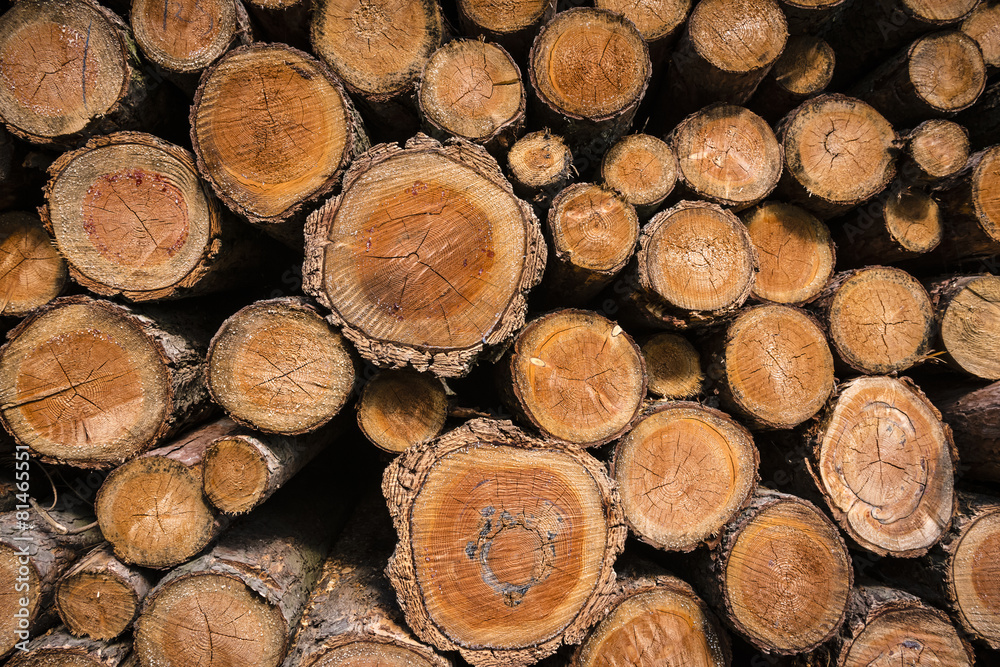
(803, 70)
(936, 149)
(473, 90)
(540, 165)
(353, 618)
(795, 250)
(91, 383)
(506, 543)
(683, 472)
(132, 218)
(839, 152)
(239, 603)
(576, 377)
(593, 232)
(58, 648)
(781, 574)
(31, 585)
(279, 367)
(32, 273)
(273, 131)
(983, 25)
(939, 74)
(971, 203)
(425, 257)
(80, 77)
(884, 462)
(378, 48)
(695, 264)
(880, 319)
(773, 366)
(673, 367)
(886, 626)
(99, 596)
(812, 17)
(727, 155)
(242, 470)
(727, 49)
(643, 169)
(400, 408)
(902, 223)
(589, 69)
(512, 24)
(973, 413)
(186, 36)
(655, 622)
(968, 314)
(658, 21)
(152, 510)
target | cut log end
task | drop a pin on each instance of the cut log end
(787, 577)
(539, 162)
(778, 366)
(235, 475)
(504, 18)
(188, 37)
(947, 71)
(400, 408)
(805, 66)
(673, 366)
(966, 325)
(655, 20)
(939, 148)
(362, 653)
(913, 220)
(975, 577)
(590, 64)
(278, 366)
(675, 506)
(578, 377)
(32, 272)
(884, 463)
(762, 27)
(96, 605)
(642, 168)
(796, 253)
(983, 25)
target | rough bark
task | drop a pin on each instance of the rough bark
(967, 314)
(400, 408)
(973, 413)
(540, 166)
(58, 648)
(902, 223)
(31, 271)
(643, 169)
(673, 367)
(804, 69)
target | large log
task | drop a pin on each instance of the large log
(967, 314)
(506, 543)
(58, 648)
(983, 25)
(425, 257)
(32, 273)
(91, 383)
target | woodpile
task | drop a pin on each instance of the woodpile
(482, 333)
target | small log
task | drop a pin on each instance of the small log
(969, 202)
(658, 21)
(90, 383)
(241, 470)
(728, 155)
(968, 313)
(935, 150)
(378, 49)
(973, 413)
(772, 365)
(540, 165)
(512, 25)
(593, 232)
(880, 319)
(32, 273)
(285, 21)
(670, 501)
(886, 625)
(132, 218)
(937, 75)
(33, 555)
(584, 92)
(804, 69)
(576, 377)
(781, 575)
(983, 25)
(695, 264)
(58, 648)
(99, 596)
(400, 408)
(473, 90)
(642, 169)
(279, 367)
(353, 617)
(884, 463)
(273, 130)
(184, 37)
(673, 367)
(812, 17)
(839, 152)
(425, 257)
(152, 510)
(796, 253)
(902, 223)
(506, 543)
(655, 621)
(81, 76)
